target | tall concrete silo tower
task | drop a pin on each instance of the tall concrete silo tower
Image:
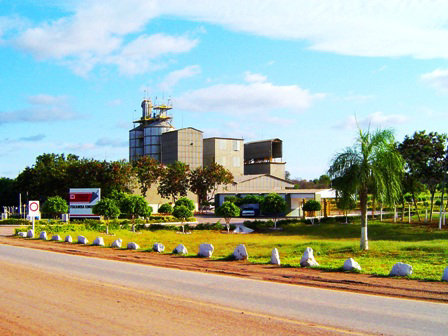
(145, 139)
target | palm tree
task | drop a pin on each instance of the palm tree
(374, 162)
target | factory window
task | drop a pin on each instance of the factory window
(222, 144)
(236, 145)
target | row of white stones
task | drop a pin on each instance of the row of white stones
(240, 253)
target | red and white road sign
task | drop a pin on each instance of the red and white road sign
(33, 208)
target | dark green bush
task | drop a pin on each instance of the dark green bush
(14, 221)
(186, 202)
(312, 205)
(166, 209)
(209, 226)
(259, 225)
(156, 227)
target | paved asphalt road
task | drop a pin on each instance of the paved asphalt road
(361, 312)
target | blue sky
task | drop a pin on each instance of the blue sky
(72, 73)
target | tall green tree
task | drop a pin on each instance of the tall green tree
(228, 210)
(373, 159)
(275, 205)
(182, 213)
(204, 181)
(108, 208)
(148, 171)
(424, 155)
(345, 202)
(54, 174)
(174, 181)
(55, 206)
(8, 193)
(185, 202)
(135, 206)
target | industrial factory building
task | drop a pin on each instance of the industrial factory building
(257, 166)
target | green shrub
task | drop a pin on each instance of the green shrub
(312, 205)
(252, 199)
(155, 227)
(166, 209)
(233, 199)
(186, 202)
(259, 225)
(14, 221)
(209, 226)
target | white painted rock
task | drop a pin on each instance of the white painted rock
(240, 252)
(82, 240)
(56, 238)
(158, 247)
(117, 243)
(22, 234)
(275, 257)
(206, 250)
(445, 274)
(133, 246)
(43, 235)
(401, 269)
(30, 234)
(308, 259)
(68, 239)
(99, 241)
(351, 265)
(180, 249)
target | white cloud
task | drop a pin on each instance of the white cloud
(437, 79)
(246, 98)
(254, 77)
(360, 28)
(43, 108)
(374, 120)
(175, 77)
(137, 56)
(106, 31)
(98, 33)
(96, 28)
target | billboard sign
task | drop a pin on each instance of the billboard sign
(82, 200)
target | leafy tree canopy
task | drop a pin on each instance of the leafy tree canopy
(204, 181)
(312, 205)
(136, 205)
(54, 174)
(148, 170)
(185, 202)
(8, 192)
(166, 208)
(373, 162)
(55, 206)
(273, 204)
(108, 208)
(228, 210)
(174, 181)
(182, 212)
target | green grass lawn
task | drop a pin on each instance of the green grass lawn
(425, 248)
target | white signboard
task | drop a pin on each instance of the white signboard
(33, 209)
(82, 200)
